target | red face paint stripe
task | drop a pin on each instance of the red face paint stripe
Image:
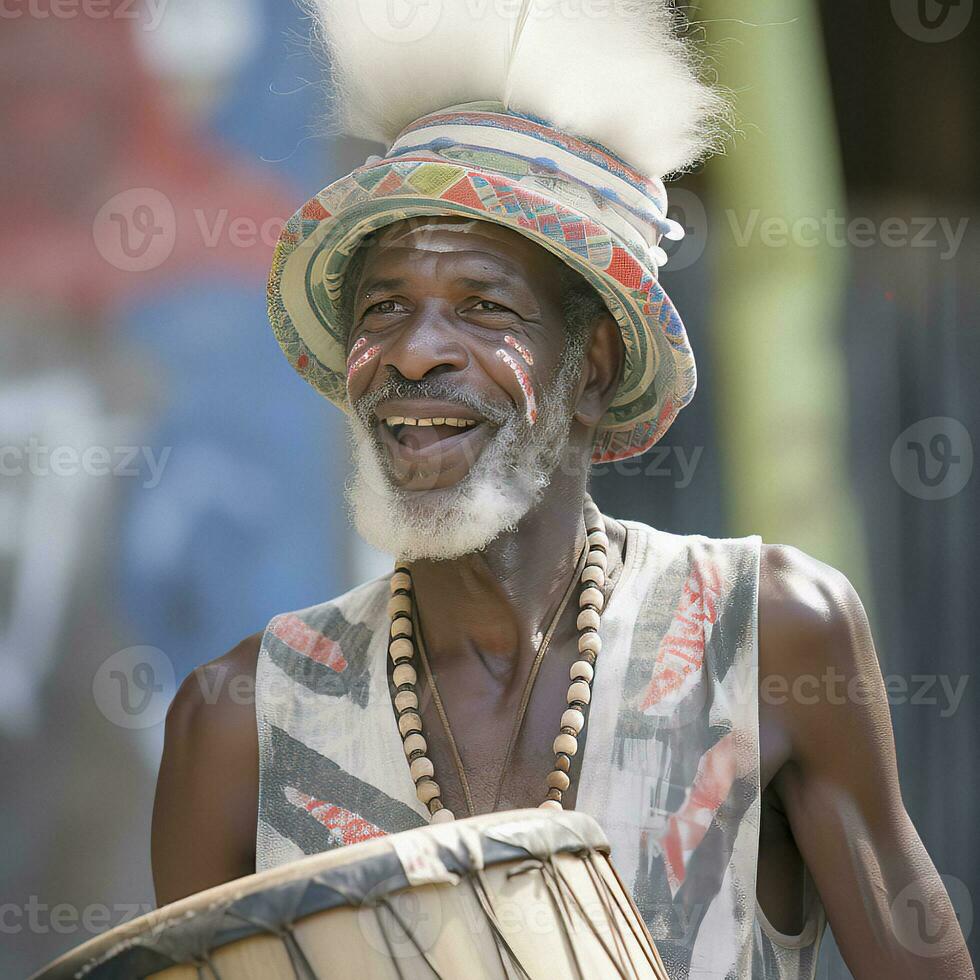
(524, 381)
(356, 365)
(520, 348)
(358, 344)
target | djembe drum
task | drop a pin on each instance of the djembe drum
(527, 893)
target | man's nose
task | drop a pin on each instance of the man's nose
(426, 344)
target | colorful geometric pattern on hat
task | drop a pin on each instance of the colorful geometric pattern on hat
(592, 222)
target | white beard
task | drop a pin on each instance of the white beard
(504, 483)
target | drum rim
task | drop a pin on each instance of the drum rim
(254, 905)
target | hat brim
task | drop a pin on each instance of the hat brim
(316, 244)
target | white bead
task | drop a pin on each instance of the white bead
(427, 790)
(566, 743)
(399, 604)
(401, 649)
(409, 722)
(591, 597)
(442, 816)
(415, 743)
(591, 642)
(421, 767)
(407, 699)
(573, 718)
(400, 580)
(588, 619)
(597, 558)
(550, 805)
(401, 626)
(579, 691)
(594, 574)
(598, 540)
(581, 670)
(404, 674)
(558, 780)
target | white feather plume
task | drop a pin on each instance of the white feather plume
(614, 71)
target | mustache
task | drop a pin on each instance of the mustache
(437, 389)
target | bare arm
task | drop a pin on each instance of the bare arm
(206, 805)
(839, 785)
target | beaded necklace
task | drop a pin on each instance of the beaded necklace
(404, 656)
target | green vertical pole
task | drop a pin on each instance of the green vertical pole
(777, 209)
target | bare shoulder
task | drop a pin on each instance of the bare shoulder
(223, 688)
(819, 678)
(206, 805)
(810, 615)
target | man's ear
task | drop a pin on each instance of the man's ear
(600, 372)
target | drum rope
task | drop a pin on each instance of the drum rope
(298, 959)
(628, 913)
(384, 903)
(561, 880)
(478, 883)
(603, 892)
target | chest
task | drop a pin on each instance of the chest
(491, 743)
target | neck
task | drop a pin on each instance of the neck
(496, 604)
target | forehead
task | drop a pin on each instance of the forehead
(461, 238)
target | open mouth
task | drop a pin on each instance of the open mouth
(421, 433)
(429, 445)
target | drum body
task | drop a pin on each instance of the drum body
(527, 893)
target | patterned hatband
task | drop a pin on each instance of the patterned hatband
(571, 196)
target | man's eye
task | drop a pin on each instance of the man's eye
(384, 306)
(488, 306)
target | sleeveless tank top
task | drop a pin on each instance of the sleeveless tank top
(671, 758)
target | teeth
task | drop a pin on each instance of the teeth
(394, 420)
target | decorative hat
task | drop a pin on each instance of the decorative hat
(568, 100)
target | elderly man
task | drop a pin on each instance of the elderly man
(484, 303)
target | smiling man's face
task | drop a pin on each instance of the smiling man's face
(462, 376)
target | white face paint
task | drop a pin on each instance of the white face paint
(418, 232)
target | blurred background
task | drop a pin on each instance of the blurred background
(167, 484)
